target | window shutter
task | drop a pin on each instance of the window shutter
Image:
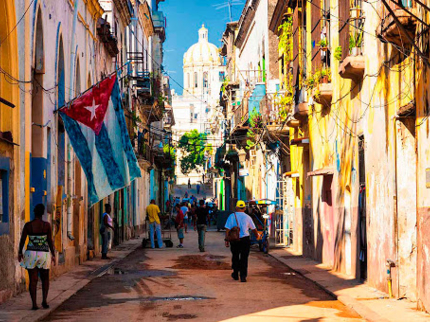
(316, 34)
(344, 27)
(296, 56)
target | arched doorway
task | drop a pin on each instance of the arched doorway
(77, 202)
(38, 163)
(60, 150)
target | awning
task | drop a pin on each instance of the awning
(321, 172)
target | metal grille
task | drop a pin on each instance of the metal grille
(284, 218)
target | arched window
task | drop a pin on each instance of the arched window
(188, 80)
(205, 79)
(196, 81)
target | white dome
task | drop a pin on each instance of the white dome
(202, 52)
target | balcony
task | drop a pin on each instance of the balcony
(273, 116)
(159, 22)
(323, 94)
(241, 114)
(400, 35)
(352, 67)
(301, 108)
(143, 152)
(107, 38)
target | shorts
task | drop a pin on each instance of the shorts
(180, 233)
(33, 259)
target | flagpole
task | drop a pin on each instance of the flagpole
(72, 99)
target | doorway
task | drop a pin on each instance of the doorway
(38, 160)
(362, 224)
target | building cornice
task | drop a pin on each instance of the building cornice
(125, 10)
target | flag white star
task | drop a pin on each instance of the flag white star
(92, 109)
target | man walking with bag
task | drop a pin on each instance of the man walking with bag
(237, 236)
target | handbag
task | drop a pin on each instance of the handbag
(234, 233)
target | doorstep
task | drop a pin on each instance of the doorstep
(371, 304)
(64, 286)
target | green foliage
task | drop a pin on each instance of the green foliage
(355, 40)
(286, 39)
(224, 84)
(170, 156)
(135, 119)
(193, 145)
(312, 81)
(255, 129)
(285, 100)
(338, 53)
(323, 42)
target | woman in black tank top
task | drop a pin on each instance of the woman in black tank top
(37, 257)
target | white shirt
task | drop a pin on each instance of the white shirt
(245, 223)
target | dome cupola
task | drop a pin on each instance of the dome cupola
(202, 52)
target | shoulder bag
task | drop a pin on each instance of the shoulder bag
(234, 233)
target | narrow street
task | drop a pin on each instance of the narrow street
(182, 284)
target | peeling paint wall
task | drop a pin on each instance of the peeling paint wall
(395, 161)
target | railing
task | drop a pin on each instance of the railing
(270, 110)
(143, 150)
(158, 19)
(106, 37)
(241, 113)
(252, 76)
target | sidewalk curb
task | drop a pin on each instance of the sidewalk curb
(348, 301)
(60, 299)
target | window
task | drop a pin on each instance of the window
(196, 84)
(4, 195)
(205, 79)
(188, 80)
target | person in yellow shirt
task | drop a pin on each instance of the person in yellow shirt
(152, 212)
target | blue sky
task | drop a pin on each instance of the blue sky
(184, 19)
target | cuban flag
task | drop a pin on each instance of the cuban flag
(96, 127)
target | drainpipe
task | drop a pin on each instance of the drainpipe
(69, 147)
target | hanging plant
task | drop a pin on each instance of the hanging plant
(255, 129)
(284, 101)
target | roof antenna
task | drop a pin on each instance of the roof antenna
(229, 4)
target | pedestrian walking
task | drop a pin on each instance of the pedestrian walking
(152, 212)
(185, 210)
(105, 230)
(189, 183)
(198, 188)
(202, 219)
(186, 194)
(179, 223)
(240, 246)
(39, 254)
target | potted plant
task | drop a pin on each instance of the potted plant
(355, 42)
(323, 44)
(325, 76)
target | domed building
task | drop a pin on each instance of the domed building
(198, 106)
(203, 72)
